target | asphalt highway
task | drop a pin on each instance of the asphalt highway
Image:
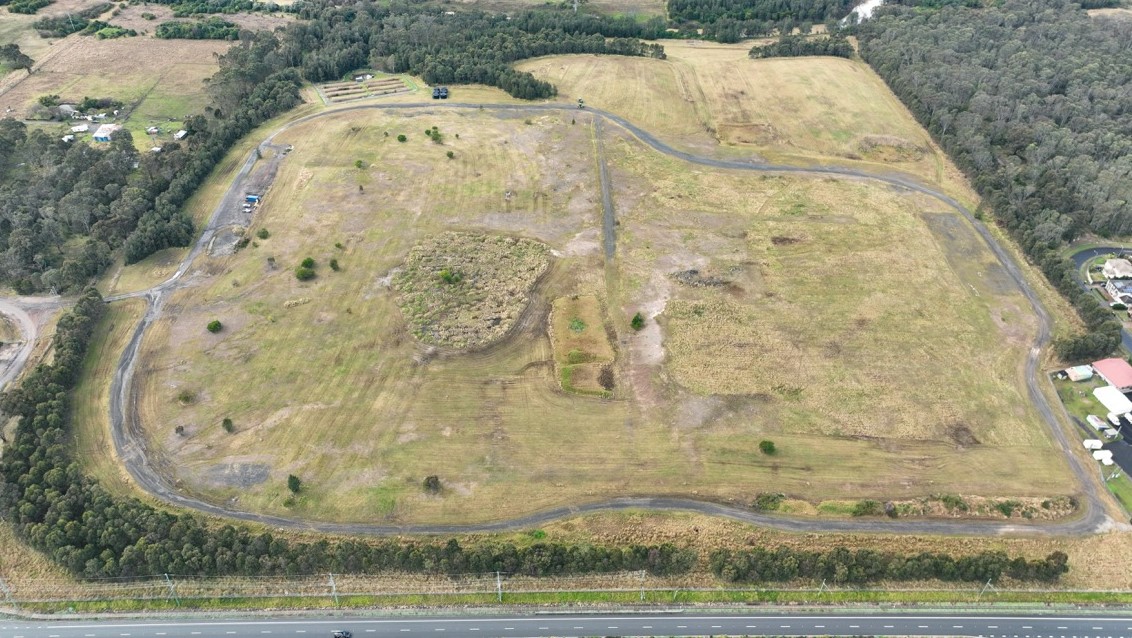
(615, 624)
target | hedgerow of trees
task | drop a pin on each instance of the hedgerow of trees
(11, 55)
(210, 29)
(1030, 99)
(789, 46)
(27, 6)
(844, 566)
(64, 25)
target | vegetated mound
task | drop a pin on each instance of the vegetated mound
(464, 290)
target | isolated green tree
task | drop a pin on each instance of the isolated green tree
(214, 326)
(294, 483)
(767, 447)
(637, 322)
(432, 484)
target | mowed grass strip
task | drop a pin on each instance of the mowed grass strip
(90, 414)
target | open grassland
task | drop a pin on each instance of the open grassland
(90, 412)
(324, 380)
(868, 332)
(712, 98)
(782, 308)
(161, 80)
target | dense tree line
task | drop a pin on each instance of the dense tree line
(55, 200)
(64, 25)
(27, 7)
(187, 8)
(210, 29)
(93, 533)
(844, 566)
(11, 56)
(708, 11)
(1031, 101)
(791, 46)
(260, 78)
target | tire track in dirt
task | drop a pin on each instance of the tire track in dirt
(130, 446)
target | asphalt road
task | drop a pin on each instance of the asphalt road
(1079, 259)
(615, 624)
(149, 469)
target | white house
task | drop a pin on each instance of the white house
(1120, 290)
(105, 131)
(1117, 269)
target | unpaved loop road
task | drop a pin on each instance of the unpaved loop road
(149, 470)
(17, 309)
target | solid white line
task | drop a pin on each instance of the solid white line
(479, 620)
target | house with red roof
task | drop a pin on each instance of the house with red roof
(1116, 372)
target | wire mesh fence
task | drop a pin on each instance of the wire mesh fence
(502, 587)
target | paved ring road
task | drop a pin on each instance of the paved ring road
(582, 624)
(146, 470)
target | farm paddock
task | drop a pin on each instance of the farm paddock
(809, 293)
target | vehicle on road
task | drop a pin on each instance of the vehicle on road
(341, 633)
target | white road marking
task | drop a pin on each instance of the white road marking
(472, 629)
(686, 626)
(888, 626)
(442, 628)
(819, 626)
(854, 626)
(642, 627)
(579, 627)
(925, 627)
(406, 630)
(543, 628)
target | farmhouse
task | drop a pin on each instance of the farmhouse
(1113, 400)
(1120, 290)
(1115, 372)
(1117, 269)
(103, 133)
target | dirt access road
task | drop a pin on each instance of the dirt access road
(21, 310)
(150, 471)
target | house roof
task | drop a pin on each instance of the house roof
(106, 130)
(1113, 400)
(1118, 268)
(1115, 371)
(1079, 373)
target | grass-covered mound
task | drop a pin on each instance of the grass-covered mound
(464, 290)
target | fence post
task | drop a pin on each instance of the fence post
(642, 573)
(333, 589)
(172, 590)
(498, 587)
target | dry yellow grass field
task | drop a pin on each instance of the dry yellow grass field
(836, 297)
(712, 98)
(127, 69)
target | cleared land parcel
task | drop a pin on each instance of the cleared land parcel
(775, 307)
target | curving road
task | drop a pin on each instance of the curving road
(147, 469)
(17, 310)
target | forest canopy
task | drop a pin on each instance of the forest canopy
(1031, 100)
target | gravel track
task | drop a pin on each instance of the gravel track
(147, 469)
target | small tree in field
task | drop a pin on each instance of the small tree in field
(432, 484)
(334, 264)
(214, 326)
(307, 263)
(637, 322)
(228, 426)
(767, 447)
(294, 483)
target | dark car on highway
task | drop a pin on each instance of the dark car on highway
(342, 633)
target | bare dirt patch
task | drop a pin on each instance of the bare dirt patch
(465, 290)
